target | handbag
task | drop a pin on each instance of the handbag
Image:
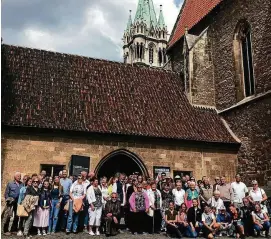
(67, 205)
(21, 212)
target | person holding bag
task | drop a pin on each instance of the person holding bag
(77, 195)
(21, 212)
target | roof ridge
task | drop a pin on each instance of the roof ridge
(91, 58)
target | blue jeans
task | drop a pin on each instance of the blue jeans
(73, 219)
(53, 216)
(64, 214)
(191, 233)
(266, 226)
(86, 216)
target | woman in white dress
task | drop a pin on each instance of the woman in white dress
(42, 213)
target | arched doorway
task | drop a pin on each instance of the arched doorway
(120, 161)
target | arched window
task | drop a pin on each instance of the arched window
(165, 55)
(163, 35)
(137, 51)
(141, 29)
(151, 54)
(137, 28)
(243, 60)
(141, 52)
(160, 56)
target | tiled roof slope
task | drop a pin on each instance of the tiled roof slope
(191, 13)
(52, 90)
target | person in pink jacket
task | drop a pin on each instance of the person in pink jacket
(139, 206)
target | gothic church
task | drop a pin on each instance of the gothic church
(145, 38)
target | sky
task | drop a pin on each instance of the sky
(92, 28)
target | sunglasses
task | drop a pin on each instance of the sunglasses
(113, 197)
(35, 181)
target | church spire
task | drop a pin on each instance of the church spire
(130, 23)
(145, 12)
(161, 20)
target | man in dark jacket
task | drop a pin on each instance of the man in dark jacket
(112, 215)
(13, 191)
(194, 219)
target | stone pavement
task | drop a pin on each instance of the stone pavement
(125, 235)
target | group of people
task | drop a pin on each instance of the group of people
(179, 206)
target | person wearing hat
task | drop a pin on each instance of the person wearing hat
(161, 181)
(223, 218)
(238, 192)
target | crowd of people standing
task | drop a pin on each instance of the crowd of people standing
(181, 206)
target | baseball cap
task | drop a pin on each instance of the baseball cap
(222, 208)
(254, 182)
(177, 177)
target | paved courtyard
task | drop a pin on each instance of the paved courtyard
(125, 235)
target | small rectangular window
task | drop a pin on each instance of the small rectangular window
(52, 169)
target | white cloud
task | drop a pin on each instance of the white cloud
(99, 33)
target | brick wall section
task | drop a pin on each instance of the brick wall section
(258, 15)
(251, 123)
(25, 153)
(201, 72)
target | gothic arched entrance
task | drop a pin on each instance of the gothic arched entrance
(120, 161)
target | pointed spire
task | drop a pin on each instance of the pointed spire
(161, 20)
(129, 24)
(145, 12)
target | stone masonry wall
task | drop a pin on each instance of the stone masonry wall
(257, 13)
(251, 123)
(25, 153)
(201, 72)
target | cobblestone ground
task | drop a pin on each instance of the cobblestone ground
(125, 235)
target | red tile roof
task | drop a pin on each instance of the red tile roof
(191, 13)
(45, 89)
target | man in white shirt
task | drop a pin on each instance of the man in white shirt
(178, 194)
(238, 192)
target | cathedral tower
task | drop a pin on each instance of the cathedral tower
(145, 38)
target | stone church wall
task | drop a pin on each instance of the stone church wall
(252, 125)
(251, 121)
(201, 72)
(257, 13)
(26, 152)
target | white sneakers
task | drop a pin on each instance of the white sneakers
(93, 234)
(20, 233)
(43, 232)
